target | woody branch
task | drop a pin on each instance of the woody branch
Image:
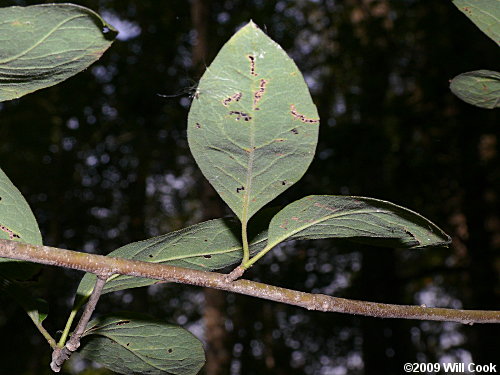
(100, 265)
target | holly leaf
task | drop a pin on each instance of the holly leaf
(252, 126)
(135, 344)
(17, 223)
(368, 220)
(484, 13)
(42, 45)
(480, 88)
(207, 246)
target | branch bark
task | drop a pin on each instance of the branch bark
(60, 355)
(102, 265)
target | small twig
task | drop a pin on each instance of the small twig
(60, 355)
(99, 264)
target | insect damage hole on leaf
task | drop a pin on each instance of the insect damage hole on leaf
(255, 156)
(241, 115)
(301, 117)
(252, 65)
(257, 96)
(233, 98)
(9, 232)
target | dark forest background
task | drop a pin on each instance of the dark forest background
(103, 161)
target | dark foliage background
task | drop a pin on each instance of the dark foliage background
(103, 161)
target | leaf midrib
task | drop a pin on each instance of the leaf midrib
(251, 156)
(289, 234)
(134, 353)
(45, 37)
(183, 257)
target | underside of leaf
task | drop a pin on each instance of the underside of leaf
(135, 344)
(357, 218)
(42, 45)
(208, 246)
(252, 127)
(480, 88)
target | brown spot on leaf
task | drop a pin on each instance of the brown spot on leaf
(301, 117)
(10, 232)
(241, 115)
(233, 98)
(284, 225)
(325, 207)
(259, 93)
(252, 65)
(122, 322)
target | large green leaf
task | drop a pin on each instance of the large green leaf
(210, 245)
(42, 45)
(363, 219)
(484, 13)
(17, 223)
(133, 344)
(252, 127)
(480, 88)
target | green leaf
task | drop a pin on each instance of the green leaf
(208, 246)
(363, 219)
(42, 45)
(36, 308)
(17, 223)
(480, 88)
(134, 344)
(484, 13)
(252, 126)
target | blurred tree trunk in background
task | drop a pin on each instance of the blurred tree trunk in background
(218, 343)
(481, 208)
